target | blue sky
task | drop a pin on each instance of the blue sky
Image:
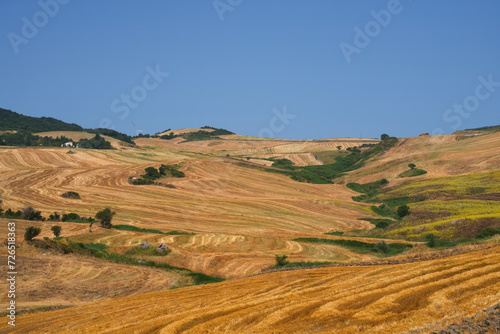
(285, 68)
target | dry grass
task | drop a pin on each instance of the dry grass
(242, 217)
(374, 299)
(438, 155)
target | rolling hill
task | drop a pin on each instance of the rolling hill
(237, 212)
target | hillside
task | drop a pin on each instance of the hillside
(425, 296)
(10, 120)
(235, 210)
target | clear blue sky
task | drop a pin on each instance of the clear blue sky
(237, 65)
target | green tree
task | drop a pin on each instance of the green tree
(381, 246)
(431, 240)
(56, 230)
(281, 260)
(105, 216)
(31, 232)
(384, 136)
(339, 147)
(152, 172)
(412, 166)
(403, 210)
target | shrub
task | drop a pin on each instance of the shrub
(381, 247)
(54, 217)
(13, 215)
(56, 230)
(70, 217)
(281, 260)
(31, 214)
(412, 166)
(105, 216)
(430, 240)
(488, 232)
(384, 136)
(403, 210)
(71, 194)
(31, 232)
(152, 172)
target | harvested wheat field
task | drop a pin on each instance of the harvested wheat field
(378, 299)
(235, 214)
(444, 155)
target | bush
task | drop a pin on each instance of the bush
(56, 230)
(70, 217)
(31, 214)
(71, 194)
(403, 210)
(105, 216)
(430, 240)
(54, 217)
(13, 215)
(488, 232)
(412, 166)
(281, 260)
(381, 247)
(152, 172)
(31, 232)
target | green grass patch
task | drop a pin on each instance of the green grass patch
(324, 174)
(335, 233)
(413, 172)
(379, 223)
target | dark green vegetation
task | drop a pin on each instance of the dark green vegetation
(413, 172)
(335, 233)
(10, 120)
(73, 218)
(25, 138)
(199, 135)
(395, 207)
(97, 142)
(379, 222)
(281, 260)
(105, 216)
(488, 232)
(152, 174)
(25, 126)
(324, 174)
(31, 232)
(362, 247)
(147, 230)
(71, 194)
(112, 133)
(56, 230)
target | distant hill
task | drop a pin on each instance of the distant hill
(10, 120)
(494, 127)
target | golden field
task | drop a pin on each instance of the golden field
(372, 299)
(240, 217)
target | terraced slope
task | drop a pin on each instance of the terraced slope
(438, 155)
(377, 299)
(215, 196)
